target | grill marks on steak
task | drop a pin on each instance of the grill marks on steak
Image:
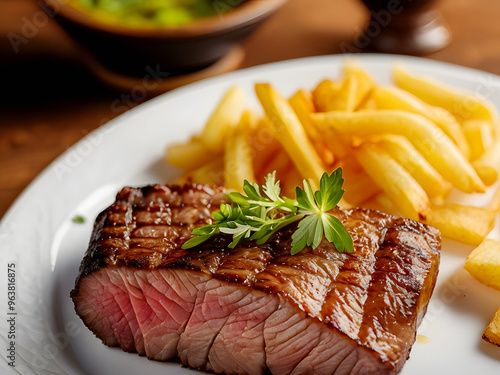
(243, 310)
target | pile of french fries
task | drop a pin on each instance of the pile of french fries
(483, 263)
(402, 147)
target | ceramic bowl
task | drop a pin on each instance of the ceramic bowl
(133, 51)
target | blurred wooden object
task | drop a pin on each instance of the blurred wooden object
(49, 100)
(407, 26)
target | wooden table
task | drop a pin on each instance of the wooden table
(49, 100)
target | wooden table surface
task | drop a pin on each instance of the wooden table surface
(49, 100)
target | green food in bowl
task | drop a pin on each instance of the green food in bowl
(154, 13)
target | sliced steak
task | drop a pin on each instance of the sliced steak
(256, 307)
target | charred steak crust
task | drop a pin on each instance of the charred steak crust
(145, 225)
(215, 308)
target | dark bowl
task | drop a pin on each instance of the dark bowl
(134, 51)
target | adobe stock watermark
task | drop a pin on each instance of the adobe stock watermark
(12, 310)
(56, 343)
(378, 21)
(447, 295)
(486, 87)
(31, 25)
(138, 94)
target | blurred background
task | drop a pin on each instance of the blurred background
(50, 99)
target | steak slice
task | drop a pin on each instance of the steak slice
(256, 307)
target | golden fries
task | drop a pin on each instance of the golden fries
(190, 155)
(494, 204)
(381, 202)
(396, 98)
(431, 142)
(479, 136)
(364, 83)
(264, 148)
(209, 173)
(238, 164)
(345, 99)
(324, 93)
(394, 180)
(402, 149)
(290, 132)
(358, 185)
(492, 332)
(488, 164)
(302, 104)
(465, 224)
(462, 105)
(483, 263)
(224, 119)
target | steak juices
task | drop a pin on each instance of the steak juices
(256, 307)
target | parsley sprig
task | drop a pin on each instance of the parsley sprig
(262, 212)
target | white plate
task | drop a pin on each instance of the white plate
(39, 237)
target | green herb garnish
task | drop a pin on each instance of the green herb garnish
(260, 213)
(78, 219)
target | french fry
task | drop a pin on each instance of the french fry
(265, 147)
(360, 189)
(358, 185)
(492, 332)
(368, 105)
(303, 106)
(483, 263)
(288, 129)
(346, 98)
(427, 138)
(465, 224)
(408, 196)
(494, 204)
(291, 181)
(450, 126)
(238, 165)
(282, 164)
(254, 120)
(479, 136)
(305, 98)
(463, 105)
(346, 95)
(323, 94)
(224, 119)
(488, 164)
(389, 97)
(381, 202)
(365, 83)
(401, 150)
(189, 155)
(210, 173)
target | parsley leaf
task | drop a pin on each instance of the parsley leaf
(78, 219)
(260, 213)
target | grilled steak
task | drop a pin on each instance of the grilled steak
(255, 307)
